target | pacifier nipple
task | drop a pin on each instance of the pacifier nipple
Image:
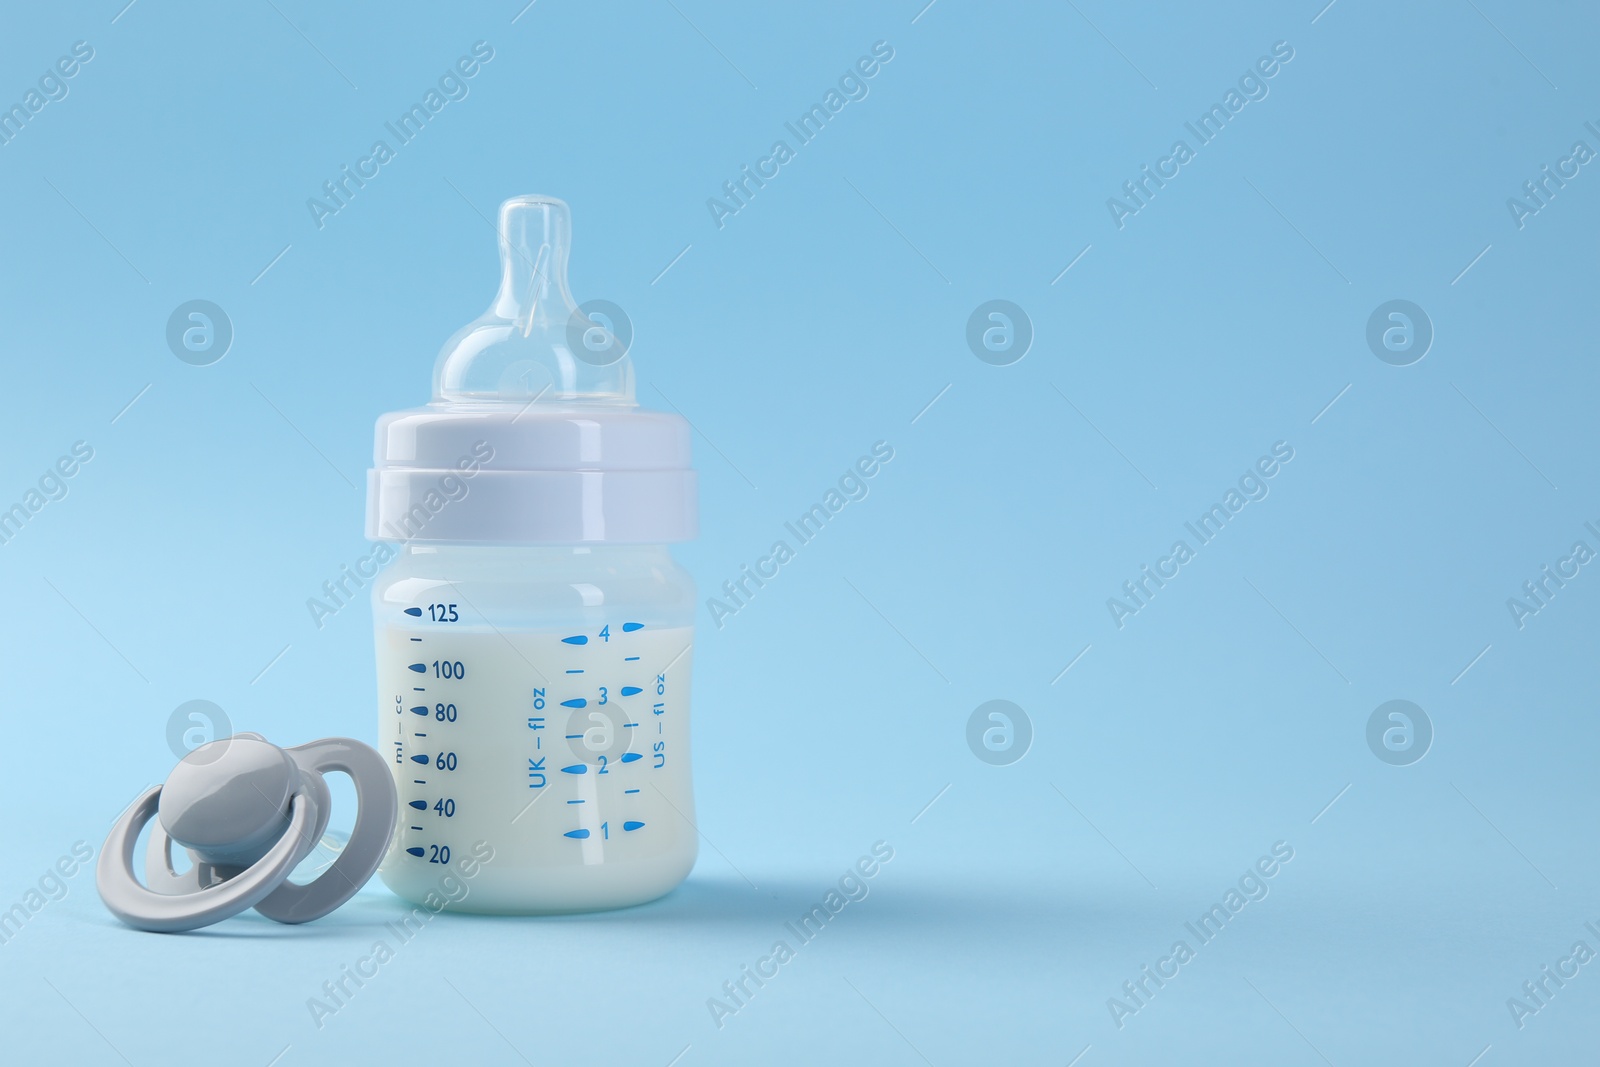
(534, 344)
(249, 815)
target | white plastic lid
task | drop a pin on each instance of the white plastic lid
(533, 436)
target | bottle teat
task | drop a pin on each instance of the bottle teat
(533, 436)
(534, 343)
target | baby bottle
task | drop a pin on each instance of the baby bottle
(534, 636)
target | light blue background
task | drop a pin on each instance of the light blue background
(825, 316)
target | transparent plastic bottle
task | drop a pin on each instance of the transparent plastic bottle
(534, 636)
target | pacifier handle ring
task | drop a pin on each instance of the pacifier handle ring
(377, 812)
(168, 913)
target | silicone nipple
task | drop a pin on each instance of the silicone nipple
(533, 343)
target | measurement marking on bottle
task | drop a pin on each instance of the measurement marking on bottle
(475, 675)
(415, 613)
(629, 627)
(576, 639)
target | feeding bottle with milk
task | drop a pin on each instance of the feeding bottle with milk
(534, 635)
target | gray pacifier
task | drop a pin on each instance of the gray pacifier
(248, 812)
